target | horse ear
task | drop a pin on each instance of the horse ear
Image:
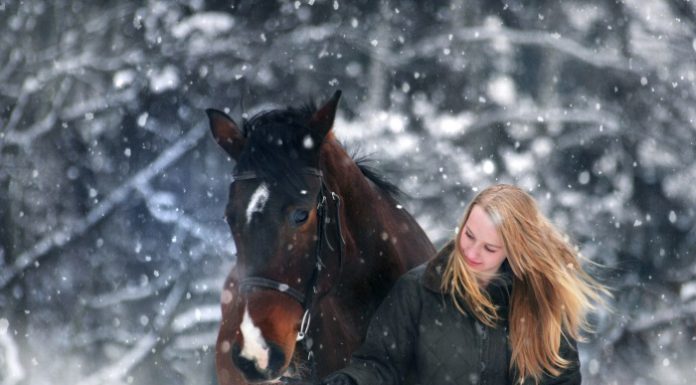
(322, 120)
(226, 132)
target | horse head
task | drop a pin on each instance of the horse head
(277, 214)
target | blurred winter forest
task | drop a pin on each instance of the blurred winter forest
(112, 243)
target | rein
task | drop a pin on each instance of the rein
(306, 299)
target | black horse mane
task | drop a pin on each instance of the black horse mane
(378, 179)
(280, 144)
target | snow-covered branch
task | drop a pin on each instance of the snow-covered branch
(196, 315)
(654, 319)
(600, 58)
(18, 111)
(130, 293)
(114, 372)
(599, 118)
(105, 333)
(64, 235)
(162, 206)
(432, 46)
(60, 68)
(14, 58)
(97, 104)
(26, 137)
(206, 285)
(10, 365)
(192, 342)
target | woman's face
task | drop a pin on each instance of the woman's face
(481, 244)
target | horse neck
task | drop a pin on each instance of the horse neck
(344, 177)
(371, 264)
(372, 214)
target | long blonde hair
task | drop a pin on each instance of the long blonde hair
(551, 293)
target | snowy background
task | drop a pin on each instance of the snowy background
(112, 243)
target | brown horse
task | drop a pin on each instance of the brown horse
(320, 241)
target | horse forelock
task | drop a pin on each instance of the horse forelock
(279, 145)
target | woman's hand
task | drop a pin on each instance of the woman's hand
(338, 379)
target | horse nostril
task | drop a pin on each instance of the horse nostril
(250, 368)
(246, 366)
(276, 359)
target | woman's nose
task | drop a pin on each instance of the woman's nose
(472, 252)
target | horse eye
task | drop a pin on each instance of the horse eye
(299, 216)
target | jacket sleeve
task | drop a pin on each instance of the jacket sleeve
(571, 374)
(388, 350)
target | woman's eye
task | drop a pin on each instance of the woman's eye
(299, 216)
(489, 250)
(469, 236)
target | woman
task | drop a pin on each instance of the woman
(502, 303)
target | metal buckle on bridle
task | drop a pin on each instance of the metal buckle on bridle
(304, 325)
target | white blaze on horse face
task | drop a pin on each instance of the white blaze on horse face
(255, 348)
(257, 202)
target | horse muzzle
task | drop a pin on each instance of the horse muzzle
(262, 367)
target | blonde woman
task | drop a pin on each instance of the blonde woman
(502, 303)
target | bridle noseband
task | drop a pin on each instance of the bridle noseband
(305, 299)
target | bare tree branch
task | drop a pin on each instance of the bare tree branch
(18, 111)
(552, 41)
(65, 66)
(118, 369)
(98, 103)
(195, 316)
(26, 137)
(191, 342)
(14, 58)
(610, 121)
(105, 333)
(64, 235)
(655, 319)
(163, 210)
(10, 366)
(129, 293)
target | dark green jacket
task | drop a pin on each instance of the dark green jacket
(417, 336)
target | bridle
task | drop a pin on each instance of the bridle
(306, 299)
